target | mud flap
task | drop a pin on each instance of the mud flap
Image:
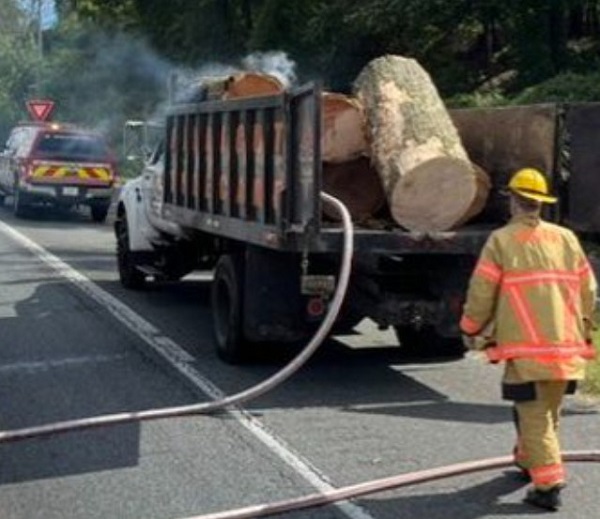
(275, 309)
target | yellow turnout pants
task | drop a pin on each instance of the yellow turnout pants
(538, 447)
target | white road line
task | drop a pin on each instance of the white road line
(170, 351)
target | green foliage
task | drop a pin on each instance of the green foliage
(563, 87)
(591, 384)
(462, 43)
(19, 64)
(477, 100)
(101, 65)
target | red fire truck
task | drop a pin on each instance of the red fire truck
(63, 165)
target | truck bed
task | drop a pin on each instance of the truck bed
(251, 170)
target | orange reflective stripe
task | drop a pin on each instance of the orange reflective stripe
(545, 276)
(488, 270)
(524, 315)
(548, 474)
(469, 326)
(585, 270)
(544, 352)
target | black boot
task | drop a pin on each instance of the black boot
(547, 499)
(522, 474)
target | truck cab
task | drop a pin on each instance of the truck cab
(57, 164)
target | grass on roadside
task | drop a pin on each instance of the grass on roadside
(591, 384)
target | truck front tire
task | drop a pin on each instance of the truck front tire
(129, 275)
(227, 293)
(19, 203)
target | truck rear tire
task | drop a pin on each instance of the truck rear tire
(227, 296)
(427, 343)
(129, 275)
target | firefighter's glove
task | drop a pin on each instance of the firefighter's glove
(469, 342)
(488, 342)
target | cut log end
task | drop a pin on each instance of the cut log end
(252, 84)
(437, 195)
(344, 128)
(483, 185)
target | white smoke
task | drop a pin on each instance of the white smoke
(275, 63)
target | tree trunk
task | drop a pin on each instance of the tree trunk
(252, 84)
(237, 86)
(357, 185)
(344, 128)
(347, 172)
(484, 186)
(429, 182)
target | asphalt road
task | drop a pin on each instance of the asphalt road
(357, 412)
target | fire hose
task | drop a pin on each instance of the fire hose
(379, 485)
(235, 399)
(310, 500)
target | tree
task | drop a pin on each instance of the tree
(19, 63)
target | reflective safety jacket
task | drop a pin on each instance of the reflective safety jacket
(534, 288)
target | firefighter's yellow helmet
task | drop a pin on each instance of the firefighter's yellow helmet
(530, 183)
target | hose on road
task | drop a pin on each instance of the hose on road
(231, 400)
(379, 485)
(310, 500)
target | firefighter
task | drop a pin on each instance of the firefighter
(531, 299)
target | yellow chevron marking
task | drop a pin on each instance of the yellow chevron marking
(41, 171)
(66, 171)
(103, 173)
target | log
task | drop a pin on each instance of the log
(356, 183)
(252, 84)
(238, 86)
(344, 128)
(428, 179)
(484, 186)
(347, 171)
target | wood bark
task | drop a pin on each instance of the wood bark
(429, 181)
